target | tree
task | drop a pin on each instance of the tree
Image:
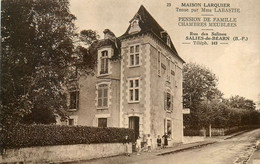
(88, 36)
(241, 102)
(199, 84)
(199, 87)
(87, 55)
(37, 51)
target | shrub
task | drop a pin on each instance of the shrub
(43, 135)
(240, 128)
(191, 132)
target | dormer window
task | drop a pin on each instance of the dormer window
(104, 62)
(104, 65)
(135, 28)
(165, 36)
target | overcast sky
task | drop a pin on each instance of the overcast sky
(237, 64)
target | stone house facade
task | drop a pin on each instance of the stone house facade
(137, 83)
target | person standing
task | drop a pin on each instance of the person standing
(159, 142)
(126, 141)
(149, 143)
(165, 140)
(138, 145)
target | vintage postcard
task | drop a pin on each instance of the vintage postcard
(140, 81)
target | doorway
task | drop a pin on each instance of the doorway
(134, 124)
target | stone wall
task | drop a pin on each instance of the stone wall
(192, 139)
(63, 153)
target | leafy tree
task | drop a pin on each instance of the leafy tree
(87, 55)
(241, 102)
(88, 36)
(199, 87)
(37, 50)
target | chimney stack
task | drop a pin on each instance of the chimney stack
(108, 34)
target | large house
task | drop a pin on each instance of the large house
(137, 83)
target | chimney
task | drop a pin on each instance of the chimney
(109, 34)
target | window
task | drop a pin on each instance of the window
(168, 75)
(168, 127)
(71, 121)
(74, 100)
(102, 95)
(168, 101)
(102, 122)
(159, 63)
(134, 55)
(134, 90)
(104, 63)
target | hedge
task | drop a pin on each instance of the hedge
(43, 135)
(240, 128)
(191, 132)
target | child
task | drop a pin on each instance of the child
(159, 142)
(138, 145)
(126, 141)
(149, 143)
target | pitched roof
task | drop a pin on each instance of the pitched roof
(149, 24)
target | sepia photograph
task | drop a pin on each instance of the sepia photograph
(141, 81)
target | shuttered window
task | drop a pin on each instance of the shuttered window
(168, 101)
(102, 95)
(159, 63)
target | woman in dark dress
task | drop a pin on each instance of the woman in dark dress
(165, 143)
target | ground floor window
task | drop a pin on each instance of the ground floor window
(72, 120)
(102, 122)
(168, 127)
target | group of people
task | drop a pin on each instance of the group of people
(161, 143)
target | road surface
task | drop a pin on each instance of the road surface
(224, 152)
(233, 150)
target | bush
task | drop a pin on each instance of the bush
(191, 132)
(42, 135)
(240, 128)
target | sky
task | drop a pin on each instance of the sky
(236, 64)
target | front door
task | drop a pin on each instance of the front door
(134, 124)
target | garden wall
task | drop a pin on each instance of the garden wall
(192, 139)
(63, 153)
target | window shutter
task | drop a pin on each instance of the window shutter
(77, 100)
(99, 97)
(171, 102)
(106, 68)
(165, 126)
(165, 100)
